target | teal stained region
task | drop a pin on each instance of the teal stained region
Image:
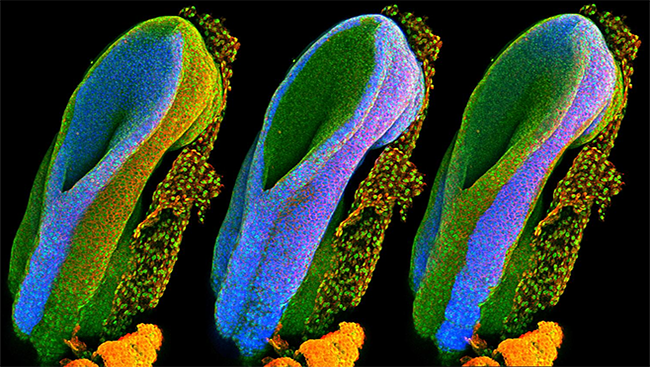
(128, 100)
(144, 96)
(547, 91)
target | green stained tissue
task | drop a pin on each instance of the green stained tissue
(297, 130)
(161, 86)
(486, 257)
(591, 180)
(346, 258)
(356, 88)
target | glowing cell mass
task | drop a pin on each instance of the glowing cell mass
(155, 89)
(555, 87)
(356, 88)
(318, 252)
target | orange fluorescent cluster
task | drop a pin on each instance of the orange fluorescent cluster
(535, 348)
(136, 349)
(283, 362)
(339, 348)
(481, 361)
(81, 363)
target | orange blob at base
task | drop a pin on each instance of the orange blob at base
(137, 349)
(481, 361)
(336, 349)
(283, 362)
(339, 348)
(81, 363)
(535, 348)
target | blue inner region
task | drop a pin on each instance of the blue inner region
(118, 106)
(137, 76)
(500, 225)
(282, 226)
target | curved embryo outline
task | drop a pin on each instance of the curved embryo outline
(159, 87)
(482, 259)
(272, 230)
(542, 230)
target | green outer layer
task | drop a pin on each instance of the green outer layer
(322, 98)
(26, 238)
(498, 132)
(438, 180)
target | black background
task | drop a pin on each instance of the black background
(47, 47)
